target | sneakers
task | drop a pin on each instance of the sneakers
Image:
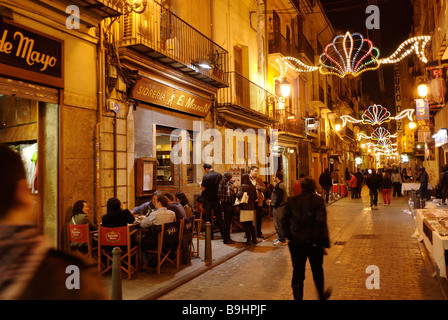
(279, 243)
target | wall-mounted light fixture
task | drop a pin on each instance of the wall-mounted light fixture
(285, 88)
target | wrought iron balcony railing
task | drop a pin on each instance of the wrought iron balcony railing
(103, 8)
(290, 123)
(162, 35)
(246, 95)
(279, 44)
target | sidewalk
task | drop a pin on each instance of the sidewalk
(148, 285)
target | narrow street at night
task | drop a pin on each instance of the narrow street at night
(360, 237)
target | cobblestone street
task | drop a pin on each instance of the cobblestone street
(360, 237)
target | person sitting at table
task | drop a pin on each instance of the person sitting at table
(147, 207)
(116, 215)
(175, 206)
(159, 216)
(153, 222)
(80, 215)
(183, 200)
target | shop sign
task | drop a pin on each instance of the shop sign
(30, 55)
(160, 94)
(440, 138)
(397, 94)
(422, 109)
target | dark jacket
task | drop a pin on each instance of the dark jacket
(305, 220)
(211, 183)
(373, 182)
(387, 182)
(177, 208)
(119, 219)
(325, 180)
(251, 192)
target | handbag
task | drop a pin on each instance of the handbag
(244, 199)
(246, 215)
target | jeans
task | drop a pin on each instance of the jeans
(278, 216)
(227, 209)
(299, 255)
(326, 194)
(397, 189)
(373, 197)
(386, 195)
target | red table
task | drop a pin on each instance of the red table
(340, 188)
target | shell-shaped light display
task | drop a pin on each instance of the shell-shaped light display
(380, 134)
(349, 54)
(376, 115)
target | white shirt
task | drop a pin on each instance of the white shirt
(158, 217)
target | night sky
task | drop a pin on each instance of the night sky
(395, 27)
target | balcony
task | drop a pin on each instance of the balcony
(312, 127)
(346, 132)
(322, 139)
(288, 123)
(102, 8)
(279, 44)
(160, 34)
(246, 98)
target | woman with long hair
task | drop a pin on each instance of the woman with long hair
(183, 200)
(116, 215)
(247, 210)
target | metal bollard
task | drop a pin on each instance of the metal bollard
(116, 274)
(208, 243)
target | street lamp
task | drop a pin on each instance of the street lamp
(285, 88)
(422, 90)
(412, 125)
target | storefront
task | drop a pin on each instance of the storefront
(31, 79)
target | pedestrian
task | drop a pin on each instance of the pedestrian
(209, 187)
(353, 184)
(260, 187)
(278, 203)
(247, 209)
(424, 179)
(373, 183)
(360, 181)
(325, 183)
(30, 268)
(227, 198)
(444, 183)
(297, 184)
(305, 226)
(387, 187)
(396, 183)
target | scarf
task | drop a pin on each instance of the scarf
(22, 251)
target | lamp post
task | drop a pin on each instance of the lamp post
(285, 88)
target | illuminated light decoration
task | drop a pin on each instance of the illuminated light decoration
(351, 56)
(379, 134)
(417, 44)
(377, 115)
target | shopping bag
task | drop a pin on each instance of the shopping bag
(246, 215)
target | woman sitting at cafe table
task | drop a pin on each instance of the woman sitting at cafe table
(117, 215)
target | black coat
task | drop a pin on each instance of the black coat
(373, 182)
(305, 220)
(325, 180)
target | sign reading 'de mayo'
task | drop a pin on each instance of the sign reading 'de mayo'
(163, 95)
(24, 49)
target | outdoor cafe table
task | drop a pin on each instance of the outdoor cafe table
(432, 225)
(340, 188)
(407, 186)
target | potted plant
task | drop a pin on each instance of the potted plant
(215, 59)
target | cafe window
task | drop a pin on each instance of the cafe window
(165, 141)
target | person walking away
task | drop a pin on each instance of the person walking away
(227, 199)
(396, 183)
(373, 183)
(304, 223)
(247, 210)
(278, 203)
(210, 186)
(387, 187)
(31, 269)
(424, 179)
(359, 178)
(326, 184)
(353, 184)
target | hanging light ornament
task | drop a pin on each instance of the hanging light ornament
(378, 134)
(377, 115)
(352, 54)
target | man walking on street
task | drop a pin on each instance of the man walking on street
(326, 184)
(373, 183)
(278, 203)
(424, 179)
(305, 225)
(209, 186)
